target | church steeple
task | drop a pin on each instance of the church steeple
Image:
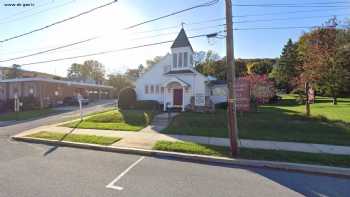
(182, 52)
(181, 40)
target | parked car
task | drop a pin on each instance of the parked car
(73, 100)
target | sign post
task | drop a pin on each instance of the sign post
(81, 109)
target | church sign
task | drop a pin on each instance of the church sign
(242, 94)
(199, 100)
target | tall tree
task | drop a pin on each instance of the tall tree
(119, 82)
(90, 70)
(286, 68)
(324, 64)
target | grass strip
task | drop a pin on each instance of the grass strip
(256, 154)
(90, 139)
(26, 115)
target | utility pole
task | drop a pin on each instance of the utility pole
(231, 77)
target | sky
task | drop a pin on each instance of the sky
(108, 23)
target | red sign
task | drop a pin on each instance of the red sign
(311, 95)
(242, 94)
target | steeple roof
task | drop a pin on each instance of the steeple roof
(181, 40)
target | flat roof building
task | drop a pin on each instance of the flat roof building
(51, 92)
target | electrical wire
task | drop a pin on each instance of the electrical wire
(111, 51)
(58, 22)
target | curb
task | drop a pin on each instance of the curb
(296, 167)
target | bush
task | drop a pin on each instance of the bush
(148, 105)
(30, 103)
(222, 105)
(127, 98)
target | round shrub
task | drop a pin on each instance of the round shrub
(127, 98)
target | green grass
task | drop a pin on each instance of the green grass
(286, 121)
(193, 148)
(90, 139)
(256, 154)
(125, 120)
(25, 115)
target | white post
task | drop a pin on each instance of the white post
(81, 109)
(183, 98)
(164, 99)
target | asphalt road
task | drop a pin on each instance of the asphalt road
(40, 170)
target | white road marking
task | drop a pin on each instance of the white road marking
(111, 184)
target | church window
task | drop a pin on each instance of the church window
(180, 60)
(146, 89)
(157, 89)
(185, 59)
(174, 60)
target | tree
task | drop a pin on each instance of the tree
(14, 72)
(134, 74)
(96, 70)
(90, 70)
(119, 82)
(325, 64)
(152, 62)
(286, 68)
(259, 67)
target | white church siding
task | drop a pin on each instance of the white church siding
(174, 73)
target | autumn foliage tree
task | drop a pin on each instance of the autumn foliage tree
(323, 63)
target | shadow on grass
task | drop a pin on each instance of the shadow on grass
(272, 123)
(52, 149)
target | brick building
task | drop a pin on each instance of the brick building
(50, 92)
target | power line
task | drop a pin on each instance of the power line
(46, 51)
(306, 5)
(58, 22)
(163, 34)
(36, 13)
(210, 3)
(114, 50)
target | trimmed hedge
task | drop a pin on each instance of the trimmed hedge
(127, 99)
(148, 105)
(222, 105)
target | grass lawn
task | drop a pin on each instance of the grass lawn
(125, 120)
(91, 139)
(25, 115)
(286, 121)
(256, 154)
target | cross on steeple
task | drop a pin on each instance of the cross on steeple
(182, 24)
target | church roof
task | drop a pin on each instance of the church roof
(172, 72)
(181, 40)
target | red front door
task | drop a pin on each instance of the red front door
(177, 96)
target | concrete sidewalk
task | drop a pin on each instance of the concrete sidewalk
(145, 139)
